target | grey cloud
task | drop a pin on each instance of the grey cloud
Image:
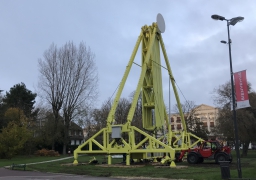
(198, 60)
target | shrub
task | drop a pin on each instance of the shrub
(46, 152)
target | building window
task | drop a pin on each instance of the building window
(72, 142)
(211, 124)
(80, 133)
(178, 120)
(178, 126)
(172, 119)
(69, 132)
(172, 127)
(205, 124)
(75, 133)
(77, 142)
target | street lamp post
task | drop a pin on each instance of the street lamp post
(232, 21)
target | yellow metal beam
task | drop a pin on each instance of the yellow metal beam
(111, 114)
(146, 32)
(173, 84)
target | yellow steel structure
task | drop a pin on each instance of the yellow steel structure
(154, 114)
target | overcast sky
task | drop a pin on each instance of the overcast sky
(198, 60)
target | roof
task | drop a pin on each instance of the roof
(205, 107)
(75, 126)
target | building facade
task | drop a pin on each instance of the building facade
(205, 113)
(75, 134)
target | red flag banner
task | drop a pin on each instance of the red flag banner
(242, 99)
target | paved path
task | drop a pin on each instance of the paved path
(7, 174)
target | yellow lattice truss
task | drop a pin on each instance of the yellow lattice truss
(110, 140)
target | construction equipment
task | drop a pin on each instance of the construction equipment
(206, 150)
(154, 116)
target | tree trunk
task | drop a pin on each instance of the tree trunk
(245, 149)
(65, 138)
(64, 149)
(53, 147)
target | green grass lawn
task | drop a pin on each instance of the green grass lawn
(208, 170)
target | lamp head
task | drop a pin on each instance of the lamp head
(224, 42)
(235, 20)
(218, 17)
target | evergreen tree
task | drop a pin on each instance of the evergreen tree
(20, 97)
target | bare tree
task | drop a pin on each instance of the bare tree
(99, 116)
(122, 111)
(246, 117)
(68, 81)
(85, 120)
(99, 119)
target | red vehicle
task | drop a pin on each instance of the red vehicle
(206, 150)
